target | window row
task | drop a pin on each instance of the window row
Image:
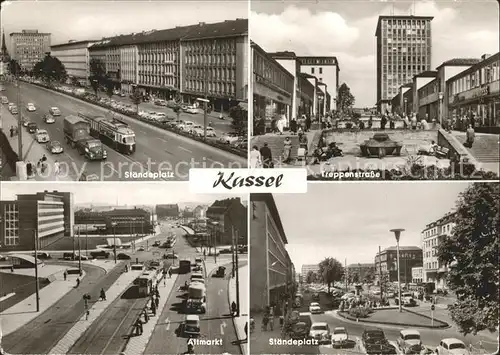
(480, 77)
(210, 59)
(215, 73)
(212, 45)
(269, 70)
(212, 88)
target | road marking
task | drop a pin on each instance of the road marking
(222, 327)
(163, 140)
(168, 324)
(187, 150)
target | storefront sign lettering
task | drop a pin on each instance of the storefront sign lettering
(481, 92)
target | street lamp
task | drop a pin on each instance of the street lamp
(406, 109)
(113, 224)
(397, 234)
(441, 96)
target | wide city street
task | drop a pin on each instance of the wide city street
(157, 150)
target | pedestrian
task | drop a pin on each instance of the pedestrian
(157, 302)
(267, 156)
(146, 315)
(87, 314)
(56, 168)
(413, 122)
(470, 135)
(11, 131)
(255, 158)
(170, 270)
(157, 293)
(126, 268)
(12, 268)
(153, 308)
(287, 150)
(77, 281)
(138, 326)
(103, 295)
(44, 158)
(65, 274)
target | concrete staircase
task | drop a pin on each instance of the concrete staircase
(275, 143)
(485, 148)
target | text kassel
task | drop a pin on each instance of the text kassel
(232, 180)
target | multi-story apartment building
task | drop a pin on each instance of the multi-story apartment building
(272, 85)
(386, 262)
(363, 272)
(404, 49)
(46, 216)
(267, 242)
(197, 61)
(28, 47)
(129, 68)
(227, 219)
(118, 220)
(214, 63)
(476, 91)
(326, 69)
(75, 57)
(167, 211)
(417, 275)
(433, 270)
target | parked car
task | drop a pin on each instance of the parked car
(170, 256)
(407, 339)
(192, 110)
(141, 249)
(42, 136)
(452, 346)
(211, 132)
(185, 126)
(228, 138)
(5, 100)
(320, 331)
(55, 147)
(30, 107)
(375, 342)
(11, 105)
(314, 308)
(196, 130)
(54, 111)
(339, 337)
(14, 110)
(42, 255)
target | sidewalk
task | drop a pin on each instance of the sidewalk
(32, 151)
(242, 320)
(24, 311)
(137, 344)
(65, 344)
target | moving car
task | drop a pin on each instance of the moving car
(170, 256)
(30, 107)
(141, 249)
(48, 118)
(321, 332)
(32, 127)
(42, 136)
(374, 342)
(452, 346)
(5, 100)
(13, 110)
(191, 326)
(42, 255)
(339, 337)
(123, 256)
(407, 339)
(54, 111)
(314, 307)
(11, 105)
(55, 147)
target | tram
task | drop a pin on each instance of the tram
(145, 283)
(112, 132)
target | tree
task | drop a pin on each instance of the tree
(330, 270)
(178, 105)
(354, 277)
(14, 67)
(51, 69)
(97, 74)
(311, 277)
(471, 254)
(345, 98)
(110, 86)
(136, 98)
(239, 123)
(369, 275)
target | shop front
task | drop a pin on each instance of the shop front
(270, 101)
(481, 102)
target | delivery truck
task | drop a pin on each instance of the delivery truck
(77, 135)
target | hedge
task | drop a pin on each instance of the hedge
(437, 323)
(226, 147)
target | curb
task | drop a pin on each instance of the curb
(236, 153)
(364, 320)
(240, 341)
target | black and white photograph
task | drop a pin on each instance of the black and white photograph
(386, 271)
(122, 90)
(87, 269)
(379, 90)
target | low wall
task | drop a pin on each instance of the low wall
(458, 153)
(349, 141)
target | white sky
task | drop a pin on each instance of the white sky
(346, 29)
(351, 220)
(81, 20)
(136, 193)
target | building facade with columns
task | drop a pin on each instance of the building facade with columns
(75, 57)
(272, 85)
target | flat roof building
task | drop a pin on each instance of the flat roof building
(29, 47)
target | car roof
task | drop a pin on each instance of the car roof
(54, 107)
(319, 324)
(339, 328)
(410, 331)
(452, 340)
(192, 317)
(42, 131)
